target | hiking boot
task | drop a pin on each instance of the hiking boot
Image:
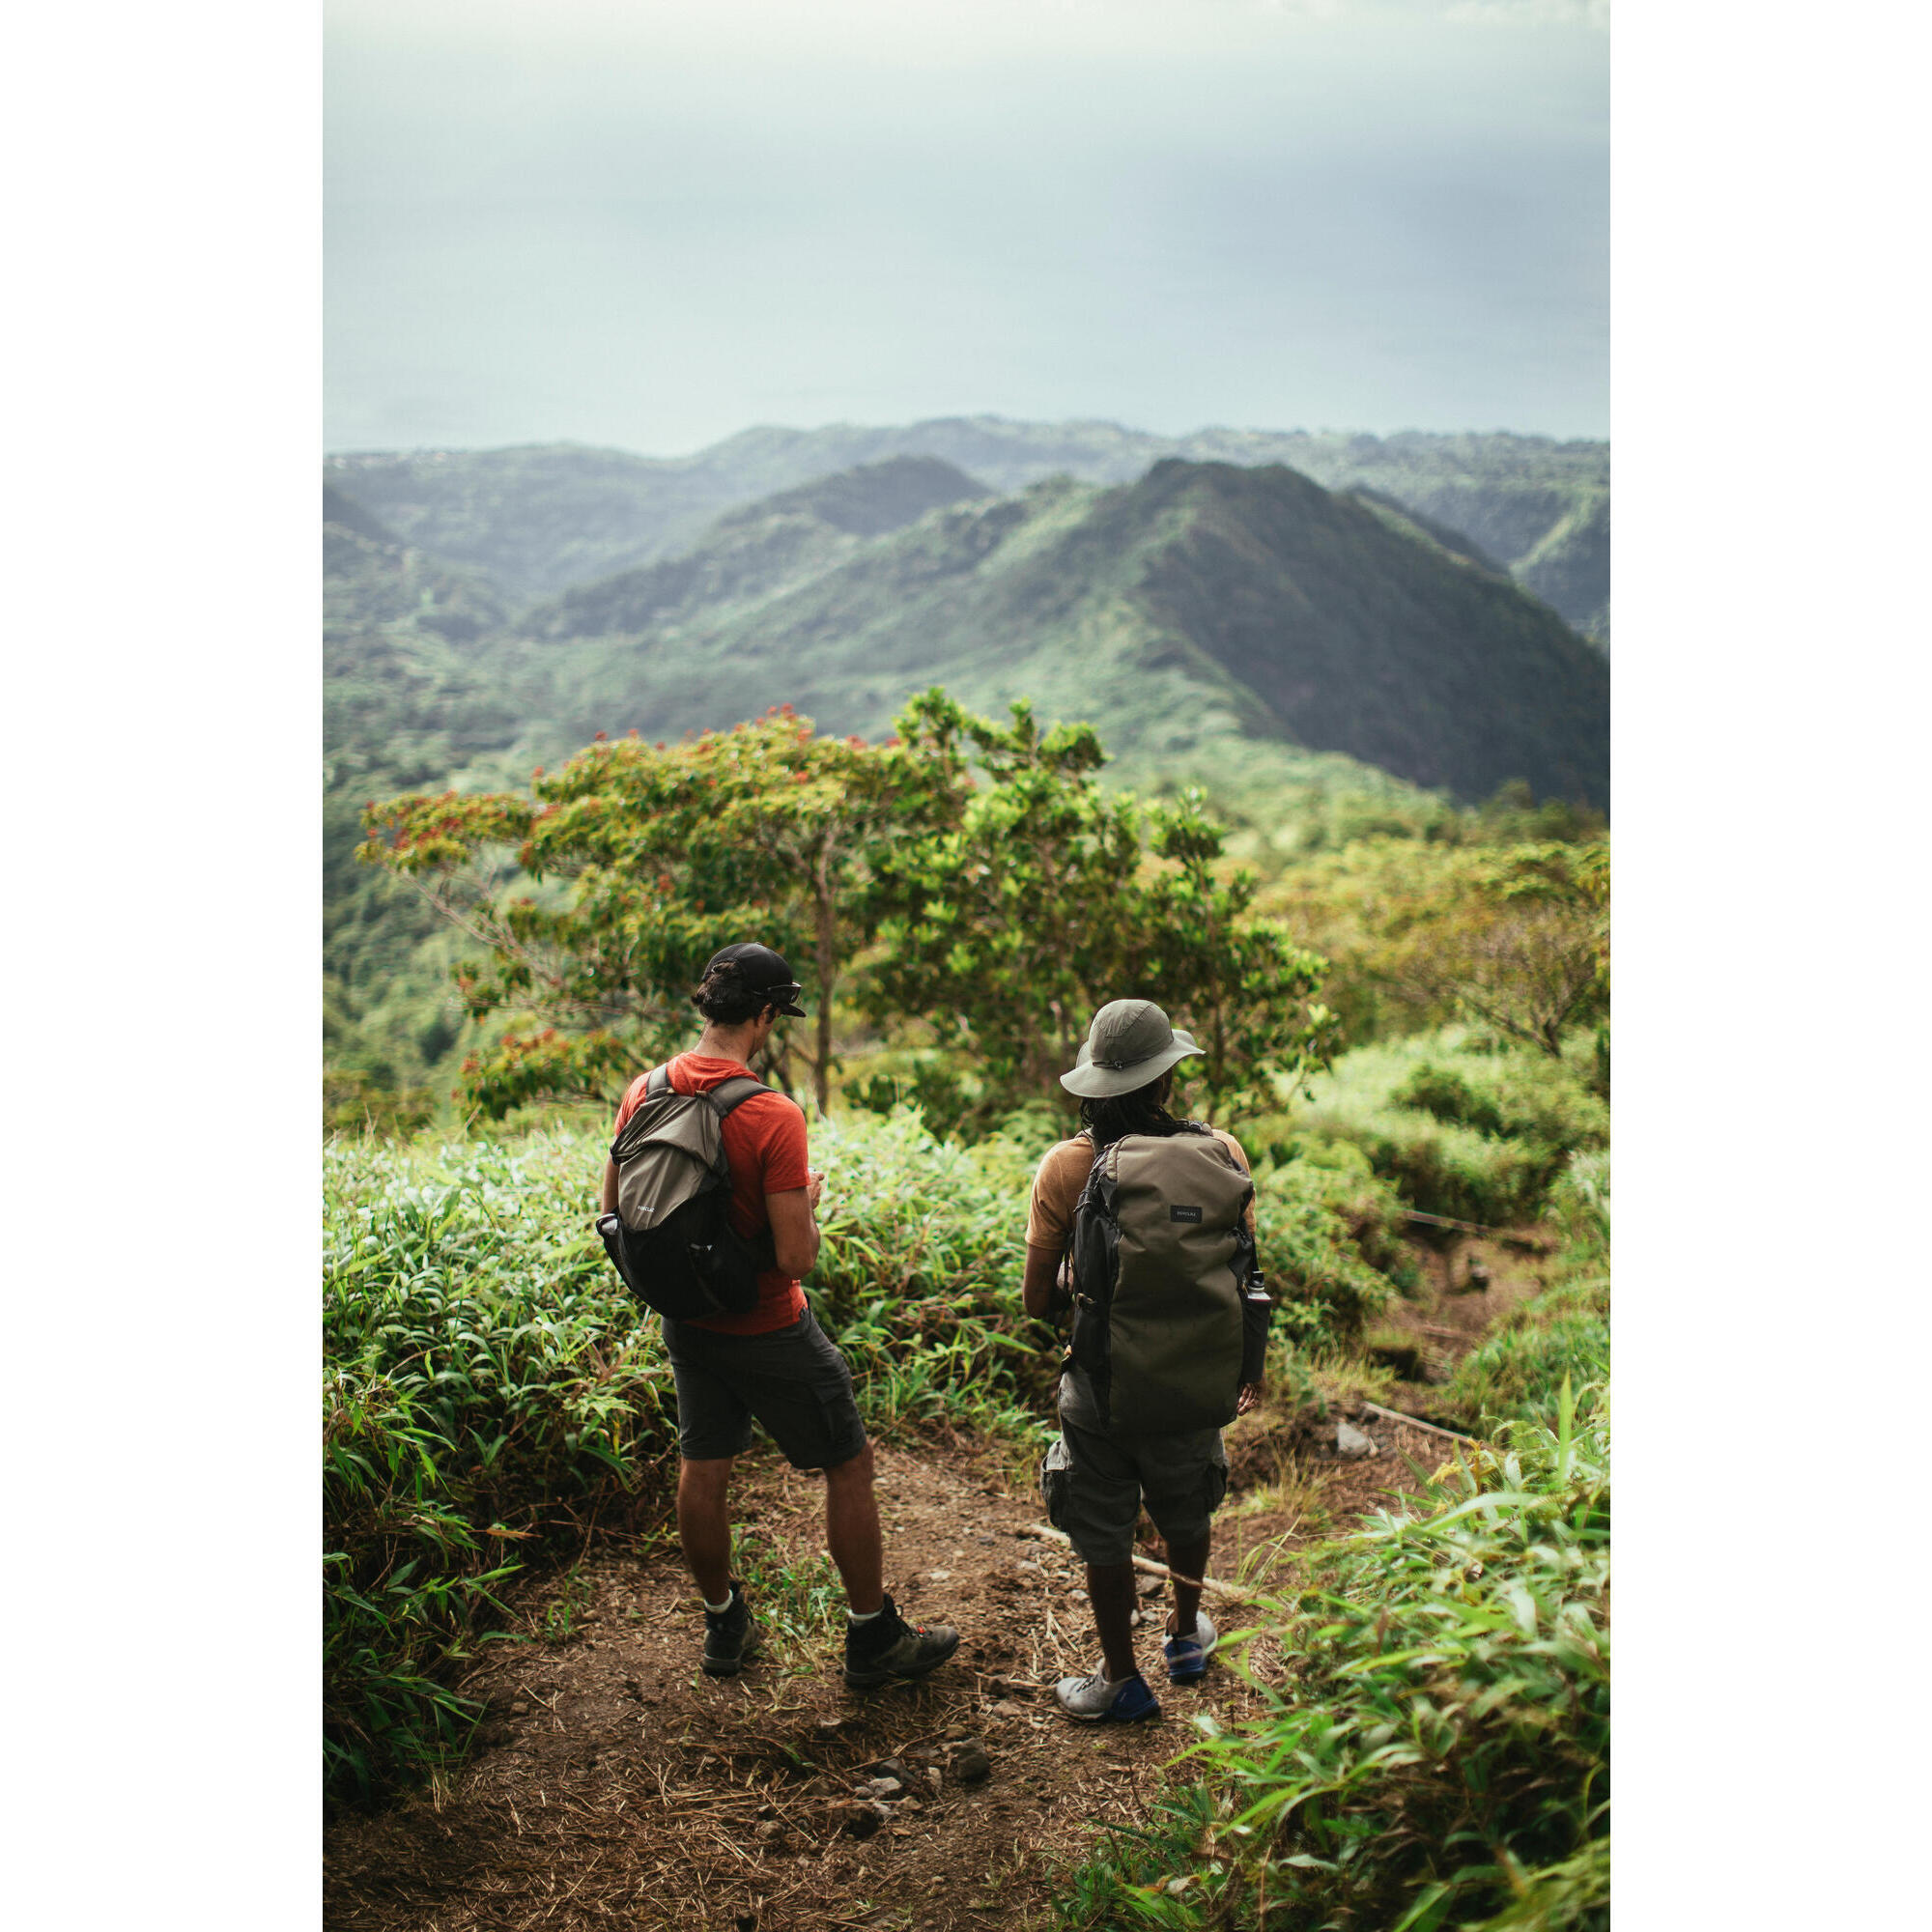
(1094, 1700)
(888, 1646)
(730, 1637)
(1187, 1656)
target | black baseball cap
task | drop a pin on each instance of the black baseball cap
(762, 970)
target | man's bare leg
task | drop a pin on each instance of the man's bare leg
(1187, 1560)
(1111, 1588)
(704, 1524)
(852, 1532)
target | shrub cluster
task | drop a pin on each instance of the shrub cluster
(1565, 1332)
(1476, 1135)
(485, 1377)
(1328, 1228)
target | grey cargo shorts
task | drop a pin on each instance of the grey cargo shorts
(1094, 1484)
(793, 1380)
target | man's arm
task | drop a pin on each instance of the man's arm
(1043, 1270)
(606, 1202)
(793, 1215)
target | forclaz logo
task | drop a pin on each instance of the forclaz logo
(1184, 1213)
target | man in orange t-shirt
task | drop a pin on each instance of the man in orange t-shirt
(773, 1363)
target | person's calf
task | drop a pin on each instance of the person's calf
(704, 1525)
(852, 1533)
(1187, 1566)
(1110, 1587)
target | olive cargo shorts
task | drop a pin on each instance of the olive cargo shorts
(1094, 1485)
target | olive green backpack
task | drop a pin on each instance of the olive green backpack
(1170, 1312)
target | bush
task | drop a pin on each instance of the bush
(1562, 1335)
(918, 1277)
(1328, 1234)
(1472, 1134)
(1443, 1757)
(486, 1377)
(1517, 1095)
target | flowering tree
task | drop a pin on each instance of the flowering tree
(655, 857)
(964, 874)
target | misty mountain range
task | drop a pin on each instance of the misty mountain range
(542, 517)
(1201, 612)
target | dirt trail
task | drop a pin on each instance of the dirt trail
(613, 1784)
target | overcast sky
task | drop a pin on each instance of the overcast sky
(651, 225)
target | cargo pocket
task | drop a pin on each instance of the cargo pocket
(1213, 1484)
(843, 1426)
(1055, 1476)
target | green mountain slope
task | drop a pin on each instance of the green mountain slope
(409, 702)
(1204, 612)
(542, 518)
(759, 550)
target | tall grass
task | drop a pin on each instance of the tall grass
(1457, 1126)
(486, 1379)
(1442, 1757)
(1565, 1332)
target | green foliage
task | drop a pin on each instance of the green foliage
(654, 857)
(1442, 1758)
(485, 1379)
(1476, 1135)
(1563, 1335)
(660, 855)
(1329, 1232)
(1473, 921)
(1137, 914)
(922, 1247)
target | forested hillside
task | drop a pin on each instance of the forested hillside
(1202, 604)
(542, 517)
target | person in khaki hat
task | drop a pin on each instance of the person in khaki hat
(1100, 1473)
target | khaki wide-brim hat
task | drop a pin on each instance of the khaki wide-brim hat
(1129, 1043)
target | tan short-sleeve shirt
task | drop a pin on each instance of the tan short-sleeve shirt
(1063, 1174)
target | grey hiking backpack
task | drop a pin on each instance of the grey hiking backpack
(1170, 1312)
(671, 1239)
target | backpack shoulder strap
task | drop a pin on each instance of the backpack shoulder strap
(732, 1094)
(657, 1082)
(1106, 1164)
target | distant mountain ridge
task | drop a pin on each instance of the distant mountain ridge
(761, 548)
(1202, 613)
(545, 517)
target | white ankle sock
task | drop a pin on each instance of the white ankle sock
(716, 1609)
(853, 1616)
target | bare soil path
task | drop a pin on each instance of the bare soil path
(613, 1784)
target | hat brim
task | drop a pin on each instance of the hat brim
(790, 996)
(1102, 1083)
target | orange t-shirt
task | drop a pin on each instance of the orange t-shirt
(764, 1144)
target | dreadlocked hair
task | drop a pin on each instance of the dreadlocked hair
(1144, 1111)
(725, 999)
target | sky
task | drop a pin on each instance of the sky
(651, 225)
